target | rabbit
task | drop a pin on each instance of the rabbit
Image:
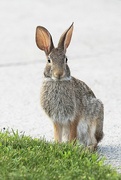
(70, 103)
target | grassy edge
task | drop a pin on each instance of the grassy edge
(22, 157)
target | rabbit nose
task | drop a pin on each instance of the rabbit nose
(58, 74)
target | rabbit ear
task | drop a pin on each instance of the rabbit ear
(44, 39)
(66, 38)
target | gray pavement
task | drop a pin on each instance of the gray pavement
(94, 57)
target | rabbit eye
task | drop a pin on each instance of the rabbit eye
(49, 61)
(66, 59)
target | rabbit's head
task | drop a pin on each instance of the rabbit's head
(56, 67)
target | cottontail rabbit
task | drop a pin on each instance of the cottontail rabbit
(69, 102)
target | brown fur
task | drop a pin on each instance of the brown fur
(57, 132)
(69, 102)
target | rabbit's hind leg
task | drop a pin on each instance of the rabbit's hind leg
(92, 141)
(95, 121)
(86, 133)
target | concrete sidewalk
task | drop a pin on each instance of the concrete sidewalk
(94, 57)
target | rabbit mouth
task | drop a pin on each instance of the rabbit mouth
(61, 78)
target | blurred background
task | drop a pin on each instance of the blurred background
(97, 27)
(94, 57)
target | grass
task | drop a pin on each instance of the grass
(22, 157)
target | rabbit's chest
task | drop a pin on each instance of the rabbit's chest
(58, 101)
